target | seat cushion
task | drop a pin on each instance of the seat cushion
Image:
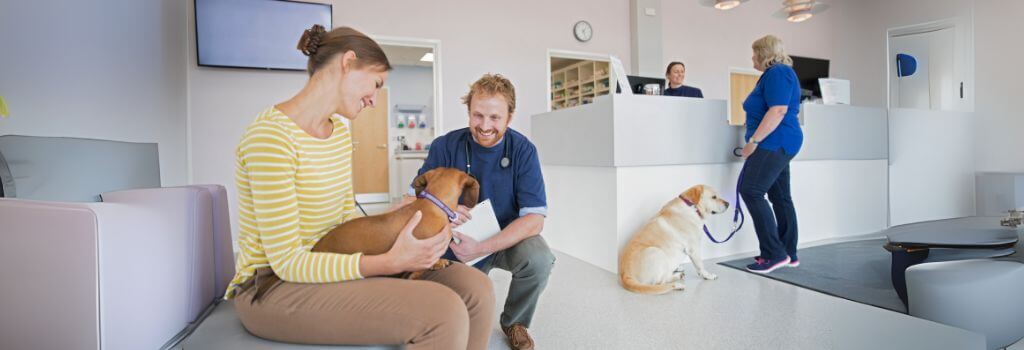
(223, 330)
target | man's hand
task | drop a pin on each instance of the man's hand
(463, 215)
(468, 248)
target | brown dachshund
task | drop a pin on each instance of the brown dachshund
(374, 235)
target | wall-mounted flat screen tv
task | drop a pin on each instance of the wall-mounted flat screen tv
(260, 34)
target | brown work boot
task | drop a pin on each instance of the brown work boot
(518, 338)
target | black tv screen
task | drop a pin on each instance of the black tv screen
(808, 70)
(258, 34)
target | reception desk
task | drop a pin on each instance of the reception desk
(611, 165)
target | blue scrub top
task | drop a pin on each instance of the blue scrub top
(778, 86)
(685, 91)
(514, 191)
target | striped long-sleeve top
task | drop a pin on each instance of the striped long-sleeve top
(292, 189)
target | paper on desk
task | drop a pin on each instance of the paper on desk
(484, 225)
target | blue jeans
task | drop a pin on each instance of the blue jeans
(768, 172)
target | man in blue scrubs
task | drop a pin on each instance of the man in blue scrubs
(505, 164)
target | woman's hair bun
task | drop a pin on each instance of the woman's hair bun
(311, 39)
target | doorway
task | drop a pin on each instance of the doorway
(942, 77)
(390, 141)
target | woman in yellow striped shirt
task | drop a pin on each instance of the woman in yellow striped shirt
(294, 172)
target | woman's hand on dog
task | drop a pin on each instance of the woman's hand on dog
(463, 215)
(412, 254)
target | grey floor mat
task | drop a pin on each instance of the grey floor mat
(857, 271)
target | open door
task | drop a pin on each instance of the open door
(370, 151)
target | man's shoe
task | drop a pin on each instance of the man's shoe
(518, 338)
(765, 265)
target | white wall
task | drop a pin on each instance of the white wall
(710, 41)
(104, 69)
(931, 177)
(1000, 123)
(511, 38)
(411, 85)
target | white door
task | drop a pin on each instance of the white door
(933, 85)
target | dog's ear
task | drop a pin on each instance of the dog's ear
(470, 191)
(693, 194)
(420, 183)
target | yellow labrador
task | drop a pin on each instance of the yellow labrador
(650, 263)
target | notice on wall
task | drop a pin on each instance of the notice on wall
(834, 91)
(620, 75)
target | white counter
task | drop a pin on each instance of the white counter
(611, 165)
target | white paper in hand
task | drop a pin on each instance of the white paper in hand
(484, 225)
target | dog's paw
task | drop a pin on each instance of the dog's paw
(677, 275)
(678, 286)
(708, 275)
(440, 264)
(415, 275)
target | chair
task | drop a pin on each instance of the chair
(980, 295)
(95, 254)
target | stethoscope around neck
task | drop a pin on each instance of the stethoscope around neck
(505, 160)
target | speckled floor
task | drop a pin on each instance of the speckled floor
(584, 308)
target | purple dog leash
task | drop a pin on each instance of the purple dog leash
(736, 216)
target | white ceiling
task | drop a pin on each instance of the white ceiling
(406, 55)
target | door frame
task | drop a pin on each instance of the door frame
(963, 67)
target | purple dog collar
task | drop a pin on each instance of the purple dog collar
(452, 215)
(694, 206)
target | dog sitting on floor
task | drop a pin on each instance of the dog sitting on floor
(373, 235)
(650, 262)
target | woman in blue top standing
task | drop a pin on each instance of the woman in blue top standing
(773, 139)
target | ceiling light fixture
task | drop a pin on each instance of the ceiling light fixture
(799, 10)
(427, 57)
(726, 4)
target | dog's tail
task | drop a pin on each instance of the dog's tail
(632, 285)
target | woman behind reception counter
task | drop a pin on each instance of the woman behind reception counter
(675, 73)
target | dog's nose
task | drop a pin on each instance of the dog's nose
(726, 204)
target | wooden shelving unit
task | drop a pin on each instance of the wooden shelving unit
(579, 83)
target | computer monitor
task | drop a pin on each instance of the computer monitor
(636, 83)
(808, 70)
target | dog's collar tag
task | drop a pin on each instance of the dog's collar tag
(452, 215)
